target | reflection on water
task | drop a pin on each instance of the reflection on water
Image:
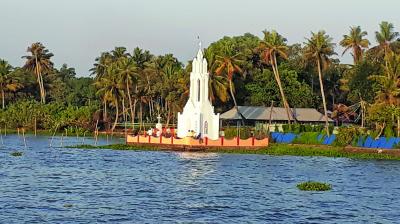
(62, 185)
(197, 165)
(196, 155)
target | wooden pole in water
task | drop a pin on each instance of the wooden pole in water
(23, 135)
(5, 130)
(83, 139)
(18, 131)
(52, 137)
(96, 132)
(35, 126)
(62, 139)
(1, 136)
(77, 133)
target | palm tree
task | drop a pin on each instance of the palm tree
(217, 85)
(385, 37)
(229, 63)
(272, 45)
(389, 82)
(318, 49)
(39, 62)
(101, 63)
(119, 52)
(127, 71)
(356, 42)
(7, 83)
(111, 90)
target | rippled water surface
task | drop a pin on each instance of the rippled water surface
(64, 185)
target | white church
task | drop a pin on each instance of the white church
(198, 114)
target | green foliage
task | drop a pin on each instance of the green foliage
(345, 136)
(309, 138)
(273, 149)
(300, 128)
(389, 132)
(245, 132)
(16, 153)
(314, 186)
(49, 116)
(265, 89)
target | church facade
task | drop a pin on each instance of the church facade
(198, 114)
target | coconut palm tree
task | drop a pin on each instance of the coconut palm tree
(389, 82)
(39, 63)
(318, 50)
(7, 83)
(127, 71)
(356, 42)
(228, 63)
(111, 88)
(385, 37)
(271, 46)
(101, 64)
(119, 52)
(217, 85)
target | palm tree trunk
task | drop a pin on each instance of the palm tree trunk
(233, 95)
(105, 111)
(168, 115)
(323, 97)
(2, 98)
(43, 90)
(130, 101)
(398, 126)
(278, 81)
(116, 117)
(141, 115)
(134, 112)
(39, 80)
(234, 101)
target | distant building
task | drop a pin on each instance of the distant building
(253, 114)
(198, 114)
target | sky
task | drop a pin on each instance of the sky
(77, 31)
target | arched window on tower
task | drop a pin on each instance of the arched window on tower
(198, 90)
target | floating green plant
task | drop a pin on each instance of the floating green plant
(16, 153)
(314, 186)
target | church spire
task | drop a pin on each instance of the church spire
(200, 52)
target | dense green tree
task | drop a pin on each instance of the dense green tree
(7, 82)
(265, 90)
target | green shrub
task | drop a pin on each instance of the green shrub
(319, 128)
(16, 153)
(388, 132)
(231, 132)
(310, 138)
(345, 136)
(308, 128)
(286, 128)
(314, 186)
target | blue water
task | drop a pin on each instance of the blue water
(63, 185)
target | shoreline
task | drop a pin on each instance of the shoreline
(273, 149)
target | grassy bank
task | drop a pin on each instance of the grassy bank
(273, 149)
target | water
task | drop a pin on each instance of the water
(63, 185)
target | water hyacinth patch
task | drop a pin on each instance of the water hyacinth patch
(314, 186)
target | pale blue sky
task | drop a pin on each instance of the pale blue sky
(76, 31)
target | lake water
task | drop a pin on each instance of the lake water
(64, 185)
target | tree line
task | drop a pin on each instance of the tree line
(136, 86)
